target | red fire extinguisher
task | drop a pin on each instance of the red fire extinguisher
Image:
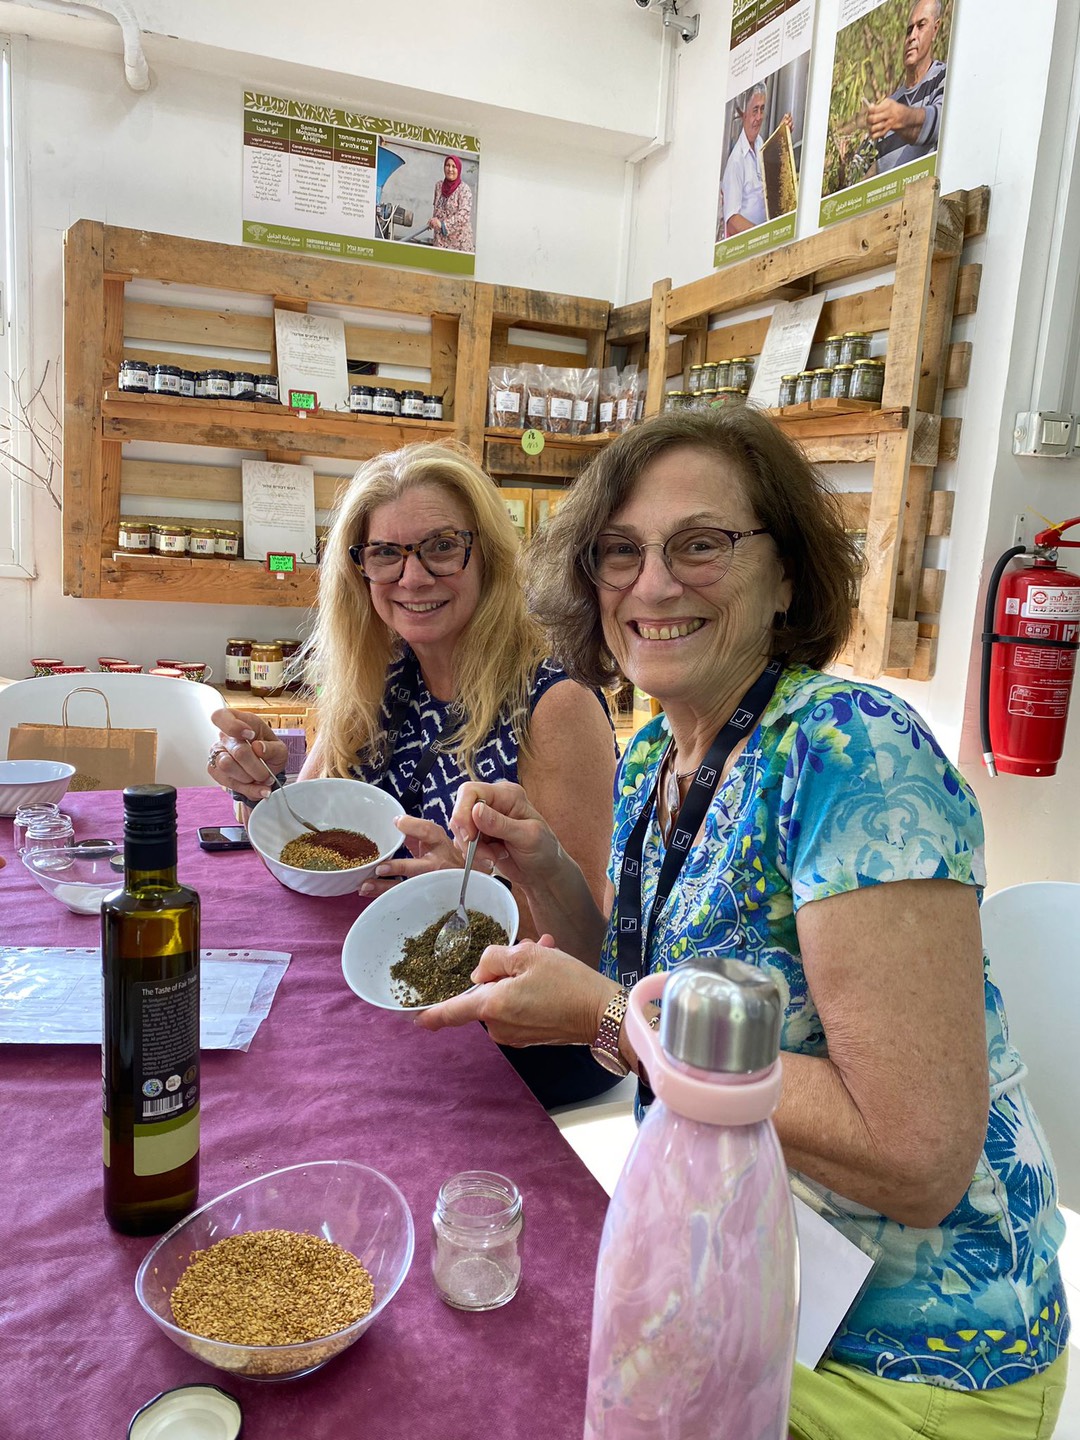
(1029, 655)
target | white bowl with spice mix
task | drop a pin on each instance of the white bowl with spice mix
(417, 906)
(277, 1289)
(332, 805)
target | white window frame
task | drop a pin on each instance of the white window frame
(16, 495)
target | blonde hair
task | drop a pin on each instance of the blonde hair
(351, 648)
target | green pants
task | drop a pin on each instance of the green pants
(838, 1402)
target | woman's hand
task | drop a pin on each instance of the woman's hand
(430, 848)
(529, 994)
(514, 837)
(244, 739)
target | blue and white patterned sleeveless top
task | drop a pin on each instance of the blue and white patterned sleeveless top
(842, 786)
(425, 719)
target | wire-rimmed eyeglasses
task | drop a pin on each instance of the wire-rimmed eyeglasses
(697, 556)
(383, 561)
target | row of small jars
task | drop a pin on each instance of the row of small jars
(734, 374)
(139, 378)
(141, 537)
(863, 380)
(382, 400)
(260, 666)
(704, 399)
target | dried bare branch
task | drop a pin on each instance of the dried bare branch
(45, 430)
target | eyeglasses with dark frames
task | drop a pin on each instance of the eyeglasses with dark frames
(696, 556)
(383, 561)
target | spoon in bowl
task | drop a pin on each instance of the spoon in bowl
(277, 785)
(455, 925)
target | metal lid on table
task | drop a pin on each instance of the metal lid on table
(190, 1412)
(721, 1014)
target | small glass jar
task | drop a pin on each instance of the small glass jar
(134, 536)
(266, 389)
(723, 374)
(362, 399)
(412, 404)
(202, 542)
(25, 815)
(135, 377)
(166, 380)
(169, 539)
(289, 649)
(833, 346)
(267, 667)
(476, 1241)
(840, 388)
(218, 384)
(187, 384)
(854, 346)
(226, 544)
(802, 387)
(54, 833)
(728, 395)
(200, 384)
(386, 401)
(787, 390)
(433, 407)
(742, 372)
(243, 385)
(820, 384)
(868, 380)
(708, 375)
(694, 379)
(238, 663)
(671, 401)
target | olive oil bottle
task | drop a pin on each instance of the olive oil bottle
(150, 1033)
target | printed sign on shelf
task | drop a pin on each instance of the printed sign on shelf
(321, 181)
(888, 89)
(768, 71)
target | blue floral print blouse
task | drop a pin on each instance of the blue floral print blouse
(842, 786)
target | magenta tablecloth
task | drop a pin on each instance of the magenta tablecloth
(326, 1077)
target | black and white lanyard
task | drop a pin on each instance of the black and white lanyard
(631, 948)
(407, 686)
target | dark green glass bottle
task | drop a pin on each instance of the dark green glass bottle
(150, 1033)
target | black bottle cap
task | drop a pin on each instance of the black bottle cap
(149, 825)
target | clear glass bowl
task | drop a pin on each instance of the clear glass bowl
(352, 1205)
(79, 876)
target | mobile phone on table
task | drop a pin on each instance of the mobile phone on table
(223, 837)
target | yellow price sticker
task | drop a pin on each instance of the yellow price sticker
(532, 442)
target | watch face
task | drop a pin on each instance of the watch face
(613, 1063)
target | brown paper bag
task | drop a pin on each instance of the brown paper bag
(106, 758)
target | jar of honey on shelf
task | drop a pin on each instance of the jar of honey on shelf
(267, 667)
(289, 649)
(238, 663)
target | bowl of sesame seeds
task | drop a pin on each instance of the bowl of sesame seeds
(276, 1277)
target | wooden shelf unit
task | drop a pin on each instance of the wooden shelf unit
(921, 237)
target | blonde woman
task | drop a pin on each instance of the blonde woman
(432, 673)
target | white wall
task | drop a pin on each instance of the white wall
(550, 204)
(1031, 825)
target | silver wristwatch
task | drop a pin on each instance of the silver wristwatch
(605, 1048)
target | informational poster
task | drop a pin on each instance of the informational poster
(787, 345)
(279, 510)
(768, 74)
(321, 181)
(311, 357)
(888, 88)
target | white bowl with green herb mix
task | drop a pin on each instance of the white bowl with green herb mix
(374, 959)
(332, 805)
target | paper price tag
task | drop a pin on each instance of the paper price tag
(532, 442)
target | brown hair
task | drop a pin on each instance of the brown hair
(351, 648)
(787, 494)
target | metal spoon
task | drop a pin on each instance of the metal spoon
(277, 785)
(454, 926)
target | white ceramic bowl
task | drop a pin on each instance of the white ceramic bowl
(32, 782)
(331, 805)
(379, 932)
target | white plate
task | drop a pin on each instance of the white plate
(331, 805)
(377, 938)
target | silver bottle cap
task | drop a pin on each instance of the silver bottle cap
(722, 1014)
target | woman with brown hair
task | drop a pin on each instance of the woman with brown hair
(809, 825)
(430, 673)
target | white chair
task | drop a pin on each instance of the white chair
(179, 710)
(1032, 936)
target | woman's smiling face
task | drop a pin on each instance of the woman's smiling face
(450, 169)
(679, 642)
(425, 610)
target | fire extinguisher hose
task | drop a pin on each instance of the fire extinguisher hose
(988, 638)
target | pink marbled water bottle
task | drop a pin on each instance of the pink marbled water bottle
(697, 1288)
